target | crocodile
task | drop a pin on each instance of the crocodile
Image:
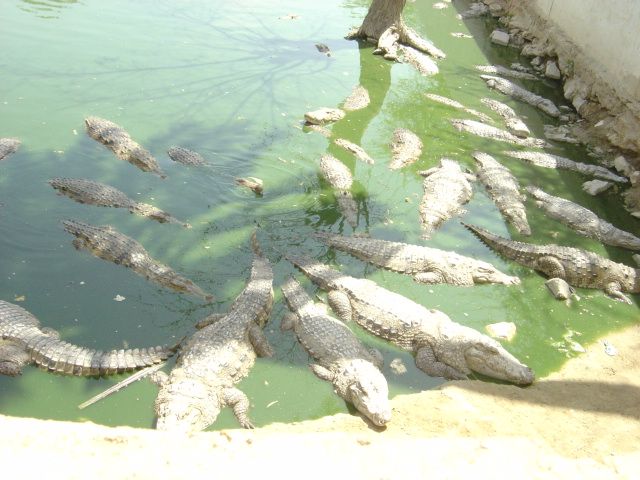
(341, 358)
(504, 189)
(24, 341)
(418, 60)
(406, 148)
(95, 193)
(583, 221)
(8, 146)
(579, 268)
(487, 131)
(513, 123)
(506, 72)
(455, 104)
(323, 116)
(216, 357)
(509, 88)
(446, 189)
(339, 177)
(357, 150)
(115, 138)
(442, 347)
(185, 156)
(548, 160)
(107, 243)
(357, 100)
(426, 265)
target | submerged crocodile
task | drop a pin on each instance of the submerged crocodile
(94, 193)
(217, 357)
(357, 150)
(406, 148)
(23, 341)
(547, 160)
(8, 146)
(583, 220)
(106, 243)
(513, 123)
(341, 358)
(579, 268)
(446, 189)
(504, 189)
(185, 156)
(357, 100)
(505, 72)
(339, 177)
(120, 143)
(455, 104)
(511, 89)
(426, 265)
(487, 131)
(442, 348)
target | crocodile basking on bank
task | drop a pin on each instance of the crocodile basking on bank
(8, 146)
(579, 268)
(94, 193)
(107, 243)
(217, 357)
(341, 358)
(442, 348)
(583, 220)
(115, 138)
(24, 341)
(426, 265)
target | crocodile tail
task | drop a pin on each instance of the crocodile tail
(255, 245)
(295, 295)
(491, 240)
(65, 358)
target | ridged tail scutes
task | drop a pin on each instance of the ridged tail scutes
(255, 245)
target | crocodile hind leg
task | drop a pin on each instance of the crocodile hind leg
(259, 341)
(427, 362)
(551, 267)
(209, 320)
(339, 302)
(12, 359)
(288, 321)
(613, 290)
(239, 402)
(429, 278)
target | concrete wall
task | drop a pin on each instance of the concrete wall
(608, 31)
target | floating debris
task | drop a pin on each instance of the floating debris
(252, 183)
(323, 48)
(609, 349)
(502, 330)
(397, 366)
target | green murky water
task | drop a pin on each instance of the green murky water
(232, 80)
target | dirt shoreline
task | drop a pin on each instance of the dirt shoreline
(583, 420)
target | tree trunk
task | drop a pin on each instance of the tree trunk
(382, 15)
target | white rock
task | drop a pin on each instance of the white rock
(560, 289)
(594, 187)
(635, 214)
(622, 165)
(503, 330)
(536, 62)
(499, 37)
(636, 258)
(634, 177)
(552, 70)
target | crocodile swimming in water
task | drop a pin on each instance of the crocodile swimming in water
(216, 357)
(341, 358)
(427, 265)
(583, 220)
(406, 148)
(579, 268)
(23, 341)
(186, 157)
(94, 193)
(115, 138)
(107, 243)
(340, 178)
(442, 348)
(8, 146)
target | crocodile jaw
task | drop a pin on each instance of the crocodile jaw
(489, 358)
(369, 393)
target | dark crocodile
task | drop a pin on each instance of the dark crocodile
(107, 243)
(115, 138)
(341, 358)
(95, 193)
(441, 347)
(583, 220)
(426, 265)
(217, 357)
(186, 156)
(579, 268)
(8, 146)
(24, 342)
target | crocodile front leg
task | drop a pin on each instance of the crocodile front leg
(209, 320)
(239, 402)
(12, 359)
(613, 290)
(321, 372)
(288, 321)
(427, 362)
(259, 341)
(339, 302)
(429, 278)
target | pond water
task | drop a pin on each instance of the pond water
(232, 80)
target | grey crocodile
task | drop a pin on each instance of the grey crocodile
(339, 177)
(487, 131)
(426, 265)
(95, 193)
(583, 220)
(418, 60)
(446, 189)
(8, 146)
(323, 116)
(513, 123)
(107, 243)
(357, 150)
(217, 357)
(504, 189)
(506, 72)
(185, 156)
(547, 160)
(341, 358)
(579, 268)
(115, 138)
(24, 341)
(457, 105)
(509, 88)
(406, 148)
(442, 348)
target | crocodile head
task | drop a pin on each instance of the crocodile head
(367, 389)
(487, 273)
(186, 406)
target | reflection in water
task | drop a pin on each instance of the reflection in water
(45, 8)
